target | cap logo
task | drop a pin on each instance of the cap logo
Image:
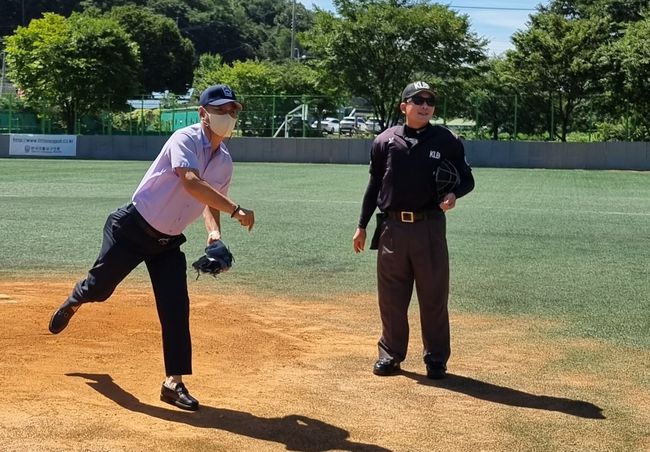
(227, 91)
(421, 85)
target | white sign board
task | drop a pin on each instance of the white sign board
(43, 145)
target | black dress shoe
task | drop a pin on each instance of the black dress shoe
(436, 370)
(62, 316)
(179, 397)
(385, 366)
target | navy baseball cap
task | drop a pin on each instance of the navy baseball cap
(218, 95)
(415, 88)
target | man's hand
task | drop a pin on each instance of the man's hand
(245, 217)
(448, 202)
(213, 236)
(359, 240)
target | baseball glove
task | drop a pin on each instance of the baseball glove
(217, 259)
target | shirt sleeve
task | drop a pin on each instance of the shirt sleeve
(182, 151)
(377, 169)
(369, 203)
(466, 182)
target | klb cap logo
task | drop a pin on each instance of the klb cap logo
(415, 88)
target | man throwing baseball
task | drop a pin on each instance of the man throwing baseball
(191, 176)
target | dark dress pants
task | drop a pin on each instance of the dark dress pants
(127, 242)
(414, 253)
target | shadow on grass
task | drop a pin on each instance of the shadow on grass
(299, 433)
(508, 396)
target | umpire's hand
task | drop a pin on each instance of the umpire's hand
(448, 202)
(359, 240)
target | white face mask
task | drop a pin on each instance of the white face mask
(222, 125)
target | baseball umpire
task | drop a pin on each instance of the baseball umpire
(191, 176)
(408, 186)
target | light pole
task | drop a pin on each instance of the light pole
(2, 76)
(293, 29)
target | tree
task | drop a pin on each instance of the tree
(618, 12)
(557, 57)
(632, 55)
(264, 87)
(71, 67)
(492, 96)
(255, 29)
(375, 47)
(574, 45)
(272, 20)
(20, 12)
(167, 57)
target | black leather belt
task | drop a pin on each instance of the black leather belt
(412, 217)
(163, 239)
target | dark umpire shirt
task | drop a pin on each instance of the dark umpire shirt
(402, 167)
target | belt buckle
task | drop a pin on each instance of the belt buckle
(407, 217)
(165, 241)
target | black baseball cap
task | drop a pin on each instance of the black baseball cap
(416, 88)
(218, 95)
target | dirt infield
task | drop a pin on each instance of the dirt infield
(275, 374)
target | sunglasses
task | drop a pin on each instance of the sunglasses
(419, 100)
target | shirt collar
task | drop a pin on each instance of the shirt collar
(404, 131)
(416, 133)
(205, 141)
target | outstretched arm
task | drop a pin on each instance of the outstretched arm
(204, 193)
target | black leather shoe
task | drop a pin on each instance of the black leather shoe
(385, 366)
(179, 397)
(436, 370)
(62, 316)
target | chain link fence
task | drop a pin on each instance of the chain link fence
(514, 117)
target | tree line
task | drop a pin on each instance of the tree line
(579, 65)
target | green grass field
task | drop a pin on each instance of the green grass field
(572, 246)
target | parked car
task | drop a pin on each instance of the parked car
(328, 125)
(351, 125)
(320, 123)
(372, 125)
(297, 127)
(331, 125)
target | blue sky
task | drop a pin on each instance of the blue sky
(497, 25)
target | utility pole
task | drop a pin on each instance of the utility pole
(293, 29)
(2, 76)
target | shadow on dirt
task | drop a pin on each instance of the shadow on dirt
(299, 433)
(507, 396)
